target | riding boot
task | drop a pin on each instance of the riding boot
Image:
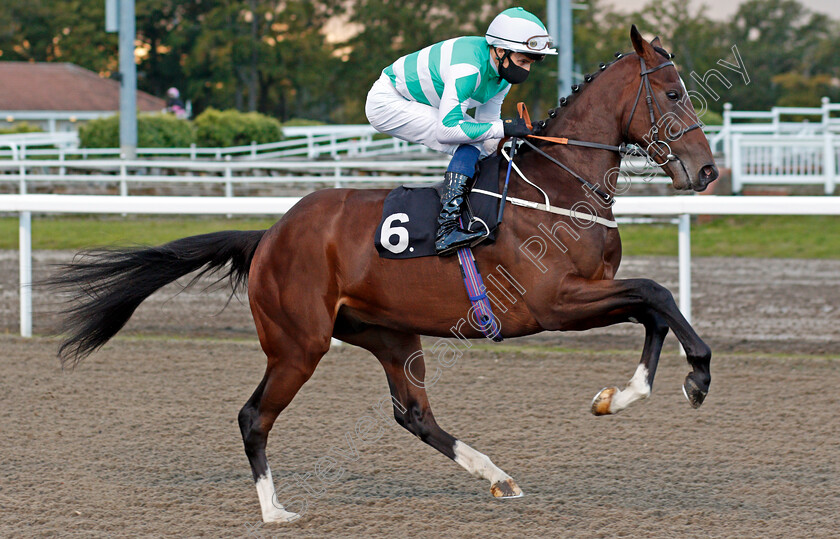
(450, 236)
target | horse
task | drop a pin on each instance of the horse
(315, 274)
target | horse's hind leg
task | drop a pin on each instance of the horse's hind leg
(611, 400)
(285, 374)
(401, 357)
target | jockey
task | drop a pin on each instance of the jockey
(424, 97)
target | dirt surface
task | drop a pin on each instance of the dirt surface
(738, 305)
(141, 440)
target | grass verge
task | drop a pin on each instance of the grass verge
(738, 236)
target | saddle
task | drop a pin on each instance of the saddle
(409, 216)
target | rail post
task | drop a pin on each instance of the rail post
(228, 182)
(22, 173)
(25, 238)
(685, 266)
(826, 113)
(736, 149)
(829, 165)
(310, 146)
(123, 178)
(727, 135)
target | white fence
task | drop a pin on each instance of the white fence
(361, 140)
(683, 206)
(785, 160)
(762, 147)
(801, 122)
(231, 173)
(304, 142)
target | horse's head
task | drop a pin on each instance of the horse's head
(659, 116)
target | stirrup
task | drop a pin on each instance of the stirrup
(486, 230)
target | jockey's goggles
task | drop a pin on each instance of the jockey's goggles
(535, 43)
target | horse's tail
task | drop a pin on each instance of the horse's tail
(107, 285)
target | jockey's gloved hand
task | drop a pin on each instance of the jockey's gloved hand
(516, 127)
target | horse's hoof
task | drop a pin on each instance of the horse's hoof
(693, 393)
(602, 401)
(280, 516)
(506, 489)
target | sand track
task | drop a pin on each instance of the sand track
(141, 439)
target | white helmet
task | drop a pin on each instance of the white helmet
(517, 30)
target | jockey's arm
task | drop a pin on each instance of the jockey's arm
(492, 110)
(454, 125)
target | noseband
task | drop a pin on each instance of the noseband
(624, 148)
(651, 101)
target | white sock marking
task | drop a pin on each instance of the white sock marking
(637, 389)
(272, 510)
(478, 464)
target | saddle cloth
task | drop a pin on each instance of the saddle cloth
(409, 217)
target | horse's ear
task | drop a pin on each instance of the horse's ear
(641, 45)
(657, 43)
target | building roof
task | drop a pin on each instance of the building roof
(47, 86)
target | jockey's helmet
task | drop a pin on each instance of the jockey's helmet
(518, 30)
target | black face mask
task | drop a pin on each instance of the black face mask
(512, 73)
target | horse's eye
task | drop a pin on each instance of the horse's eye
(673, 95)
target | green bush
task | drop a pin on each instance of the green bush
(219, 129)
(153, 131)
(711, 118)
(22, 127)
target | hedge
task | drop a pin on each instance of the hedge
(22, 127)
(153, 131)
(219, 129)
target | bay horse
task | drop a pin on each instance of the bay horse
(315, 274)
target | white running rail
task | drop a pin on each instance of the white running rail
(682, 206)
(347, 141)
(337, 173)
(785, 160)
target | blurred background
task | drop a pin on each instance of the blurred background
(315, 60)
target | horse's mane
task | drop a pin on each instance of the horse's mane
(558, 112)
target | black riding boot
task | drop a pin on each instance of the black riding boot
(450, 236)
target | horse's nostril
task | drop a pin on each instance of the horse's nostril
(709, 173)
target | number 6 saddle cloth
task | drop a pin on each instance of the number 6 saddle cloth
(409, 217)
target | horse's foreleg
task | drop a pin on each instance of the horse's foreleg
(611, 400)
(401, 357)
(582, 300)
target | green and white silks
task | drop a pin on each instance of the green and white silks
(438, 85)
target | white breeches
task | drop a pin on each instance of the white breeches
(390, 113)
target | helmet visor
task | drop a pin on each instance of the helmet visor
(539, 43)
(535, 43)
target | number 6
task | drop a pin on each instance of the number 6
(400, 232)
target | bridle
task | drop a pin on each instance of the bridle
(624, 148)
(651, 101)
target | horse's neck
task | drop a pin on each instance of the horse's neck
(593, 115)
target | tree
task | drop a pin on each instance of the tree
(774, 36)
(57, 31)
(689, 34)
(798, 90)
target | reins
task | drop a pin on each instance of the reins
(651, 101)
(623, 149)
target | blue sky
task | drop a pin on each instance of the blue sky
(724, 9)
